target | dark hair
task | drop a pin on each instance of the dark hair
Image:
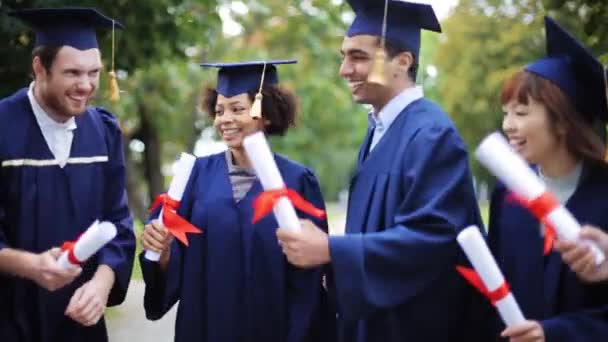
(393, 49)
(279, 106)
(580, 138)
(47, 55)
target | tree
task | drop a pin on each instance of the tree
(152, 55)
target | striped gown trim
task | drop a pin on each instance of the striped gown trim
(52, 162)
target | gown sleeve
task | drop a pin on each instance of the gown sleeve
(383, 269)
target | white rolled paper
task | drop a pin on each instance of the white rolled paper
(496, 154)
(182, 171)
(261, 158)
(91, 241)
(477, 251)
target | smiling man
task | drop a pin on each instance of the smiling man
(412, 192)
(61, 168)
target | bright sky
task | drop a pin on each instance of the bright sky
(441, 7)
(231, 28)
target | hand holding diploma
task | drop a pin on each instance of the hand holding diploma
(170, 201)
(495, 153)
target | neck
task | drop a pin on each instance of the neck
(559, 164)
(239, 157)
(48, 109)
(390, 94)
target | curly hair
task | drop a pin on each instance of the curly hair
(279, 107)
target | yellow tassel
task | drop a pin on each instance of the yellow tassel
(377, 75)
(114, 90)
(256, 107)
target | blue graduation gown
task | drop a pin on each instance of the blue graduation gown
(233, 282)
(394, 268)
(42, 206)
(545, 288)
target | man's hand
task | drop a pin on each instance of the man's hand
(581, 259)
(88, 303)
(306, 248)
(528, 331)
(48, 274)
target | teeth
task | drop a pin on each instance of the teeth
(230, 131)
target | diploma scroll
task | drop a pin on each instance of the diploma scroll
(91, 241)
(182, 169)
(495, 153)
(477, 251)
(265, 167)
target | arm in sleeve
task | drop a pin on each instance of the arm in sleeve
(304, 286)
(383, 269)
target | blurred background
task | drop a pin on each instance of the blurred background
(157, 56)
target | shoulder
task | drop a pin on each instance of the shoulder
(428, 119)
(288, 166)
(209, 161)
(13, 105)
(106, 118)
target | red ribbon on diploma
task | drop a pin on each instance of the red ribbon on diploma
(541, 207)
(473, 278)
(264, 203)
(175, 224)
(68, 246)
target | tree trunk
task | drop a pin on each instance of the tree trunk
(136, 196)
(152, 157)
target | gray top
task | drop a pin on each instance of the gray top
(241, 178)
(562, 187)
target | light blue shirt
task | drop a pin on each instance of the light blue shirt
(389, 113)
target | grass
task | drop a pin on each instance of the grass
(138, 227)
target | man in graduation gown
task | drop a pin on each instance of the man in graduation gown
(411, 193)
(61, 168)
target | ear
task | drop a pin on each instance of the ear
(39, 70)
(403, 62)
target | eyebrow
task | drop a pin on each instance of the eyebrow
(353, 51)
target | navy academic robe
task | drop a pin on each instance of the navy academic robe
(394, 268)
(43, 205)
(545, 288)
(233, 282)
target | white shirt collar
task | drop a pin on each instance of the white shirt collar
(43, 119)
(391, 110)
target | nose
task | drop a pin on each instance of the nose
(227, 117)
(346, 68)
(86, 84)
(508, 123)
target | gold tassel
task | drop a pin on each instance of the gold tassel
(114, 90)
(113, 81)
(379, 69)
(256, 108)
(377, 75)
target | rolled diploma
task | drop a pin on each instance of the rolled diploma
(265, 167)
(477, 251)
(497, 155)
(183, 169)
(91, 241)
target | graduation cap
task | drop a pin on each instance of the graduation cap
(571, 67)
(242, 77)
(70, 26)
(398, 21)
